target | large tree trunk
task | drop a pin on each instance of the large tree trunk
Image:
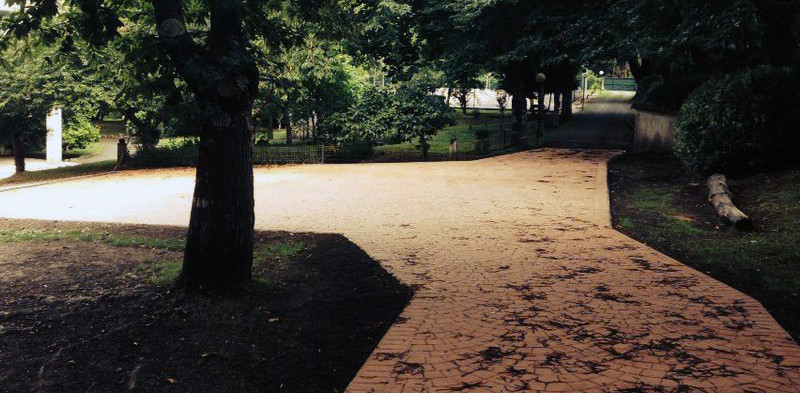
(19, 152)
(219, 247)
(224, 79)
(519, 109)
(566, 105)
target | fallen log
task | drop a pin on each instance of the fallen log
(720, 197)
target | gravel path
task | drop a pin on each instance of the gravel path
(521, 284)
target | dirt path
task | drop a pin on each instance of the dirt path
(606, 122)
(522, 286)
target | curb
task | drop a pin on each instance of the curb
(48, 182)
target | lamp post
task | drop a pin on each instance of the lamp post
(602, 80)
(540, 79)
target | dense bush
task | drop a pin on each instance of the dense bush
(656, 94)
(408, 113)
(740, 123)
(79, 132)
(354, 150)
(169, 153)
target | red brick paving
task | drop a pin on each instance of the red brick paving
(566, 304)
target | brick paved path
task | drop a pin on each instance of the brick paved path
(521, 285)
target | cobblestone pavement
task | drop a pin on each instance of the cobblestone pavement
(521, 284)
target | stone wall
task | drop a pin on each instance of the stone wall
(654, 131)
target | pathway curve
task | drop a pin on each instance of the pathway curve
(521, 284)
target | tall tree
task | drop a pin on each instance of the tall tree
(209, 44)
(510, 38)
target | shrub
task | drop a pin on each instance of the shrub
(666, 96)
(482, 133)
(593, 81)
(79, 132)
(170, 153)
(741, 123)
(356, 149)
(645, 84)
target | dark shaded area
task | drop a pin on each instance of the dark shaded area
(654, 199)
(605, 123)
(306, 324)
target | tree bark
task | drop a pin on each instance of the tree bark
(566, 105)
(287, 124)
(556, 108)
(519, 109)
(148, 136)
(224, 80)
(19, 152)
(219, 247)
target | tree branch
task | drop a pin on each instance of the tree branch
(175, 37)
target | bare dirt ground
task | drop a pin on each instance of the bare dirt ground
(521, 283)
(87, 308)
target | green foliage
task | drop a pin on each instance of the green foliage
(167, 272)
(314, 79)
(366, 120)
(593, 81)
(512, 39)
(356, 149)
(37, 76)
(741, 122)
(87, 235)
(666, 96)
(169, 153)
(418, 115)
(79, 132)
(409, 113)
(283, 251)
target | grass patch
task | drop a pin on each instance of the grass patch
(655, 200)
(282, 250)
(149, 242)
(90, 150)
(167, 272)
(60, 173)
(40, 235)
(85, 235)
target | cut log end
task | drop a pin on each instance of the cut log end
(720, 197)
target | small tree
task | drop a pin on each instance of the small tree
(463, 94)
(502, 100)
(410, 113)
(369, 119)
(419, 115)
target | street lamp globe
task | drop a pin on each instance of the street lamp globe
(541, 78)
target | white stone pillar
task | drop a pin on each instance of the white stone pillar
(54, 136)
